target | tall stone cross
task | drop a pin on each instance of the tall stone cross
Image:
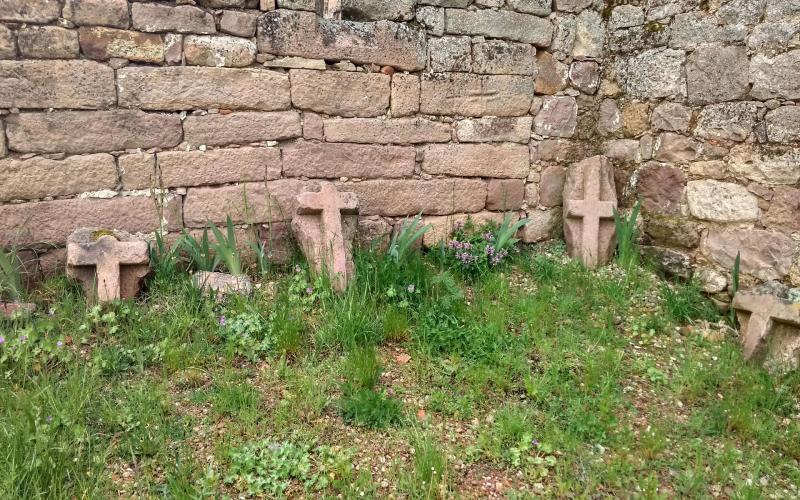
(765, 311)
(331, 252)
(591, 209)
(107, 256)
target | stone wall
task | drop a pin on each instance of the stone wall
(142, 114)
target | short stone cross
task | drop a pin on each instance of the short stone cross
(763, 313)
(591, 248)
(324, 243)
(110, 269)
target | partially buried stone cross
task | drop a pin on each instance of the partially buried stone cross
(318, 227)
(109, 268)
(588, 217)
(760, 314)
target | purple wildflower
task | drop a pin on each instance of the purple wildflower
(488, 236)
(23, 339)
(309, 290)
(59, 344)
(535, 442)
(2, 340)
(489, 250)
(411, 288)
(222, 321)
(49, 418)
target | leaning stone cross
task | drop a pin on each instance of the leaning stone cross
(325, 246)
(765, 311)
(591, 210)
(110, 269)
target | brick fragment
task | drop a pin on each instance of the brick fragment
(477, 160)
(332, 161)
(39, 177)
(91, 131)
(179, 88)
(242, 127)
(51, 222)
(56, 84)
(340, 93)
(198, 168)
(104, 43)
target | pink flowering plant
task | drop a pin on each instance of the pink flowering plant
(475, 250)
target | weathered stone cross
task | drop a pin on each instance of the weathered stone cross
(765, 310)
(107, 255)
(330, 204)
(592, 210)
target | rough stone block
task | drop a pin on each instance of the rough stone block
(8, 45)
(661, 188)
(775, 77)
(341, 93)
(551, 186)
(783, 124)
(626, 16)
(198, 168)
(499, 24)
(535, 7)
(493, 129)
(405, 94)
(771, 167)
(112, 13)
(99, 131)
(221, 284)
(473, 95)
(477, 160)
(767, 255)
(784, 210)
(770, 322)
(676, 148)
(47, 42)
(543, 225)
(219, 51)
(51, 222)
(552, 74)
(238, 23)
(730, 121)
(693, 29)
(589, 199)
(56, 84)
(243, 127)
(721, 201)
(29, 11)
(386, 131)
(369, 10)
(105, 43)
(585, 76)
(292, 33)
(503, 58)
(332, 161)
(654, 74)
(319, 228)
(313, 127)
(393, 198)
(39, 177)
(450, 53)
(671, 116)
(505, 194)
(266, 202)
(589, 36)
(673, 231)
(717, 74)
(158, 18)
(110, 264)
(432, 18)
(180, 88)
(557, 118)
